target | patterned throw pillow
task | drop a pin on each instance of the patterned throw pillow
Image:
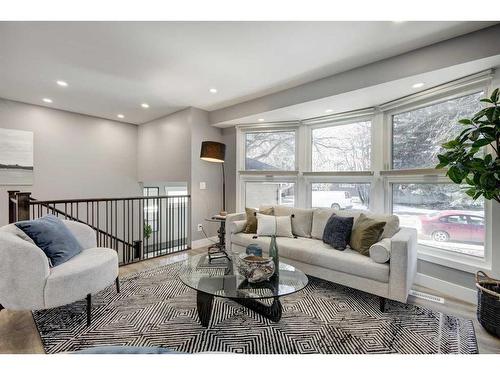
(338, 231)
(365, 233)
(251, 226)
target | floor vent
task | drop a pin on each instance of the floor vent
(428, 297)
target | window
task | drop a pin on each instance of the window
(269, 193)
(176, 189)
(267, 151)
(340, 196)
(382, 159)
(342, 147)
(443, 215)
(151, 207)
(417, 135)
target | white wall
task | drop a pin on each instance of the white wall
(75, 156)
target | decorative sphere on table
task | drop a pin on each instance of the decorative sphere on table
(254, 249)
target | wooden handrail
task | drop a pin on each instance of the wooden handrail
(58, 201)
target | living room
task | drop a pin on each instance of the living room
(218, 184)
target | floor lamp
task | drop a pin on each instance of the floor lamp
(215, 152)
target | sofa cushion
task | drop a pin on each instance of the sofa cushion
(88, 272)
(301, 219)
(365, 233)
(251, 225)
(317, 253)
(270, 225)
(338, 231)
(321, 216)
(380, 252)
(54, 238)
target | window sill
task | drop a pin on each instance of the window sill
(456, 261)
(268, 173)
(339, 173)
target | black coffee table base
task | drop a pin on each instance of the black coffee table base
(204, 302)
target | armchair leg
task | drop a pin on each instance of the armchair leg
(1, 307)
(382, 304)
(117, 282)
(89, 308)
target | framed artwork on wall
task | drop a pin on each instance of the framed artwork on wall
(16, 157)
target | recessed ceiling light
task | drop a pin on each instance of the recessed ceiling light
(62, 83)
(417, 85)
(47, 100)
(120, 115)
(261, 120)
(213, 90)
(329, 110)
(145, 105)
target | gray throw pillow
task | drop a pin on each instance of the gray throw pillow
(338, 231)
(51, 235)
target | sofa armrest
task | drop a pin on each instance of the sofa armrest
(24, 269)
(403, 264)
(233, 227)
(85, 235)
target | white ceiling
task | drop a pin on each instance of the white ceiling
(113, 67)
(369, 96)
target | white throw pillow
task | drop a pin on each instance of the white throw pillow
(380, 252)
(268, 225)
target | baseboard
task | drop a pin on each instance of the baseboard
(447, 288)
(203, 242)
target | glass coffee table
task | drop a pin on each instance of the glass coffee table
(224, 281)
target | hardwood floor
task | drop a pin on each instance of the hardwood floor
(18, 334)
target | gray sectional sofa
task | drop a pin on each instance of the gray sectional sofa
(390, 279)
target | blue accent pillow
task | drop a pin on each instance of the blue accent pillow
(338, 231)
(51, 235)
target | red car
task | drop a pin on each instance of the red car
(453, 225)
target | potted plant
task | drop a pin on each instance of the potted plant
(147, 231)
(468, 162)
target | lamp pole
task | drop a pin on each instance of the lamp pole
(223, 189)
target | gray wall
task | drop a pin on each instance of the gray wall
(204, 203)
(164, 149)
(169, 151)
(75, 156)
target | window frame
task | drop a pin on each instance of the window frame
(419, 104)
(430, 175)
(269, 129)
(334, 123)
(260, 179)
(436, 255)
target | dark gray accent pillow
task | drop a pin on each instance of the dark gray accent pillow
(51, 235)
(338, 231)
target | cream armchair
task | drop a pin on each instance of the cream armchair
(28, 283)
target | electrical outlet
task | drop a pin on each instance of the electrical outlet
(200, 227)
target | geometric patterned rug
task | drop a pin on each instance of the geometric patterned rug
(154, 308)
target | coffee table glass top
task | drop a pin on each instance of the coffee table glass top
(224, 280)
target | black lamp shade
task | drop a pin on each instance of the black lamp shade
(213, 151)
